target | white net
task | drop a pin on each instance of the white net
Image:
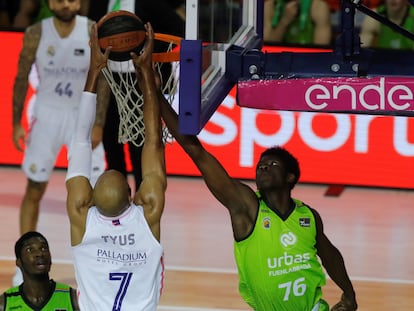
(123, 83)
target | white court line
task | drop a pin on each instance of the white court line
(233, 271)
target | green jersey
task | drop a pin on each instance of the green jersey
(390, 39)
(59, 299)
(277, 264)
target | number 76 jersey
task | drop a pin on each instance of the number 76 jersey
(119, 263)
(278, 266)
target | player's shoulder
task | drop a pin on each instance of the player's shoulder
(304, 207)
(300, 203)
(34, 30)
(12, 291)
(62, 287)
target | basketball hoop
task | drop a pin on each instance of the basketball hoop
(120, 76)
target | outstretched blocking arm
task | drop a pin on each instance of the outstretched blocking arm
(79, 197)
(151, 193)
(238, 198)
(334, 264)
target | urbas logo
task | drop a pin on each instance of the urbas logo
(287, 260)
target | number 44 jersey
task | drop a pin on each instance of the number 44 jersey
(62, 64)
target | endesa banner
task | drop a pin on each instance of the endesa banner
(333, 148)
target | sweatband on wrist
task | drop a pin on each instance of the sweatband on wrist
(80, 149)
(79, 160)
(86, 117)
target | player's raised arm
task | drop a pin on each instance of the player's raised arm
(79, 197)
(21, 84)
(237, 197)
(151, 194)
(334, 264)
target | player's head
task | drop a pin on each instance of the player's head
(64, 10)
(33, 254)
(276, 168)
(111, 194)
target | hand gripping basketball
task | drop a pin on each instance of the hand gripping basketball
(144, 59)
(123, 82)
(99, 58)
(123, 31)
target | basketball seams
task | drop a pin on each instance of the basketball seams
(119, 43)
(119, 24)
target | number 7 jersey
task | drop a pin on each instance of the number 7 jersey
(278, 266)
(119, 263)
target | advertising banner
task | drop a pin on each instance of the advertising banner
(332, 148)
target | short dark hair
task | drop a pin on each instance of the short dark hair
(290, 162)
(26, 236)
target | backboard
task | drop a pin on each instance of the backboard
(214, 28)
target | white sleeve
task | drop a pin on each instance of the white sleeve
(80, 149)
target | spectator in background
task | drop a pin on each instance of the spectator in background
(335, 8)
(30, 12)
(6, 13)
(164, 19)
(377, 35)
(305, 22)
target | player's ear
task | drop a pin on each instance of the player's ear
(291, 178)
(19, 263)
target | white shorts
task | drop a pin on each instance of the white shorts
(50, 129)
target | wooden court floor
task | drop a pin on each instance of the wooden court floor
(373, 228)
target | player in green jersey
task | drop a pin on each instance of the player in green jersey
(38, 291)
(278, 240)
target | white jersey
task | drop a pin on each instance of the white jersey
(59, 74)
(119, 263)
(62, 64)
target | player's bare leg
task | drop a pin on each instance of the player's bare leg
(29, 209)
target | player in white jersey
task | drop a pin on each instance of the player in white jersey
(58, 48)
(115, 240)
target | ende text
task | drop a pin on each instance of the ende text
(370, 97)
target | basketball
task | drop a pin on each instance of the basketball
(122, 30)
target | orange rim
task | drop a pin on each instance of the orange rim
(171, 56)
